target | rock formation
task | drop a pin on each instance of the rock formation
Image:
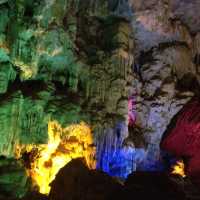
(75, 181)
(182, 139)
(125, 67)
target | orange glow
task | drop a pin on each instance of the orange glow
(64, 144)
(178, 168)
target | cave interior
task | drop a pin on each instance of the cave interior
(99, 99)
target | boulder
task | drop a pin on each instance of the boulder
(76, 182)
(153, 185)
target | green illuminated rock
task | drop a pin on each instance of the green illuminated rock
(61, 60)
(13, 180)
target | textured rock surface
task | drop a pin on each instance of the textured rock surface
(164, 21)
(166, 67)
(73, 60)
(52, 66)
(13, 180)
(159, 97)
(62, 60)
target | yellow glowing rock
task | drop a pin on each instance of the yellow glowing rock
(178, 168)
(64, 144)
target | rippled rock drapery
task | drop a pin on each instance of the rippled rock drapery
(114, 157)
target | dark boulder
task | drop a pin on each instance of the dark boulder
(76, 182)
(154, 185)
(34, 196)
